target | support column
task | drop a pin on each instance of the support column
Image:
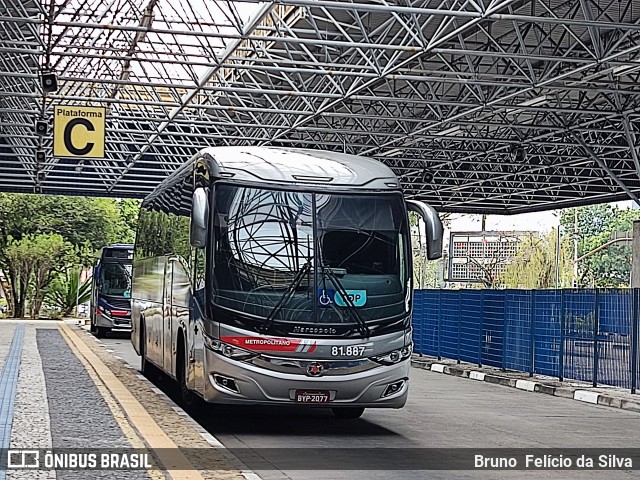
(575, 248)
(635, 256)
(635, 313)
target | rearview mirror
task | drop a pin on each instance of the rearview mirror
(199, 218)
(433, 226)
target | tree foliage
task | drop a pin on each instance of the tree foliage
(128, 210)
(43, 236)
(426, 273)
(534, 266)
(34, 261)
(611, 266)
(67, 291)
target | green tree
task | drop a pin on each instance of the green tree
(80, 220)
(126, 228)
(610, 267)
(35, 260)
(86, 224)
(18, 274)
(426, 273)
(66, 291)
(534, 266)
(50, 254)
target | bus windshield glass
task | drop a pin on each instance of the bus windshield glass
(115, 279)
(310, 258)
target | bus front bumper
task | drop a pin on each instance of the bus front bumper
(234, 382)
(115, 324)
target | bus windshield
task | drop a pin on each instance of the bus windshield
(115, 279)
(310, 258)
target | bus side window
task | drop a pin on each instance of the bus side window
(198, 268)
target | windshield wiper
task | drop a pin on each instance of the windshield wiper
(362, 326)
(268, 323)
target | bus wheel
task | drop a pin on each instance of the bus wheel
(101, 331)
(145, 366)
(188, 399)
(348, 412)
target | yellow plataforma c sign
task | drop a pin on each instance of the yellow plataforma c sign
(78, 131)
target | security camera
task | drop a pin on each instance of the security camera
(427, 176)
(41, 128)
(518, 153)
(49, 82)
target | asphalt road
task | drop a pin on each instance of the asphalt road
(443, 412)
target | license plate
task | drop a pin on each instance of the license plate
(305, 396)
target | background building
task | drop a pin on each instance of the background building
(481, 257)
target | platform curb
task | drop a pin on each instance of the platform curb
(235, 462)
(580, 394)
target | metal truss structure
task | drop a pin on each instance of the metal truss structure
(492, 106)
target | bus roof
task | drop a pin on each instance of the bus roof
(119, 252)
(300, 166)
(120, 245)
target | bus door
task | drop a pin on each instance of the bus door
(95, 285)
(167, 324)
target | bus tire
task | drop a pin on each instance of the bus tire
(146, 367)
(101, 332)
(188, 399)
(348, 412)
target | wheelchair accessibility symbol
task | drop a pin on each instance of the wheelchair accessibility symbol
(324, 298)
(327, 297)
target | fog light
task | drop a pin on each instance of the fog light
(393, 388)
(226, 382)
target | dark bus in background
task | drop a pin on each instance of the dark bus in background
(111, 290)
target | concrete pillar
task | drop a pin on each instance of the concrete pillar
(635, 256)
(575, 248)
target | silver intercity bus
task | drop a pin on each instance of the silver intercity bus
(279, 276)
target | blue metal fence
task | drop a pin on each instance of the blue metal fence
(585, 335)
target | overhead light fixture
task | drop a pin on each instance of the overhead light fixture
(393, 152)
(625, 70)
(449, 131)
(535, 102)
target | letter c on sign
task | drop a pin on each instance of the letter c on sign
(67, 136)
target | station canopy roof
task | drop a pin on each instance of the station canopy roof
(492, 106)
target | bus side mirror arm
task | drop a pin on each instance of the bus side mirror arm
(433, 226)
(199, 218)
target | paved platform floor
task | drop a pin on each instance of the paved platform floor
(66, 400)
(61, 388)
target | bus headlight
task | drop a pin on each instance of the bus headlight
(227, 350)
(395, 356)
